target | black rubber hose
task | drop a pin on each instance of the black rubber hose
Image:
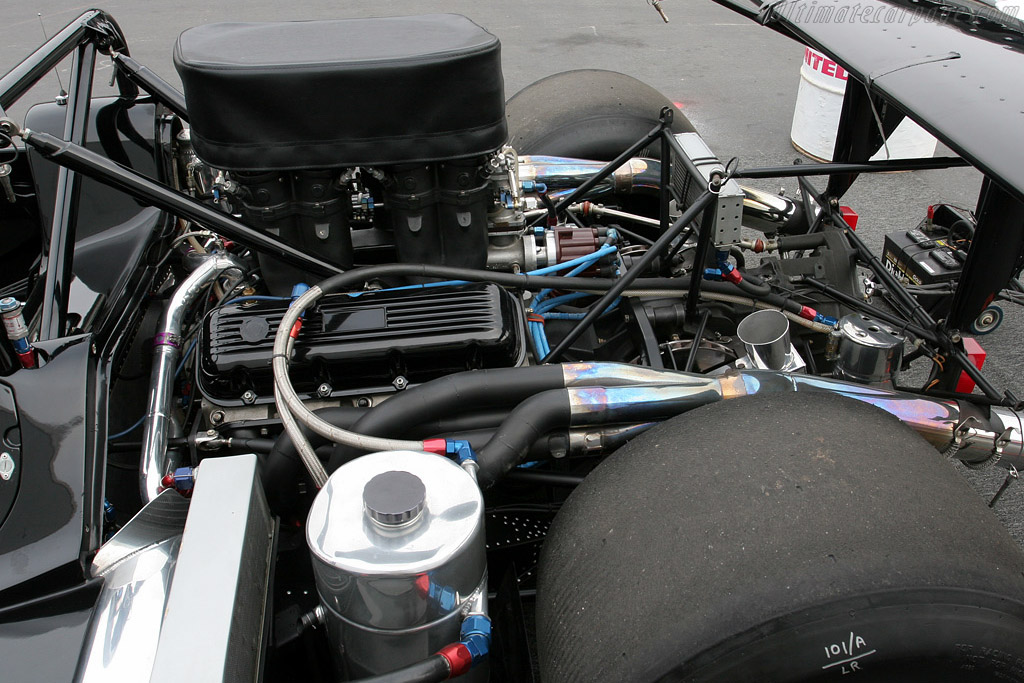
(533, 418)
(802, 242)
(741, 259)
(282, 467)
(472, 390)
(136, 446)
(433, 669)
(253, 445)
(754, 286)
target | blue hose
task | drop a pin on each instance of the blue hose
(541, 308)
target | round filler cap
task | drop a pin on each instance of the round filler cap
(394, 498)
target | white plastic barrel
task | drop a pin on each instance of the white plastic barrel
(819, 103)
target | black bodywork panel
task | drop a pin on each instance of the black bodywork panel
(42, 639)
(45, 530)
(957, 73)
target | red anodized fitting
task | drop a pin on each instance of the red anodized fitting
(435, 446)
(734, 276)
(459, 658)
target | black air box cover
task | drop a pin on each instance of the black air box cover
(324, 94)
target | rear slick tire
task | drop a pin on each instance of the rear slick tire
(796, 537)
(587, 114)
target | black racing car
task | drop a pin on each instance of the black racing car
(436, 385)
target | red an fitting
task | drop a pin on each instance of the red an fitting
(436, 446)
(459, 658)
(734, 276)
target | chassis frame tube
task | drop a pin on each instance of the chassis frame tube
(92, 165)
(142, 76)
(60, 252)
(27, 73)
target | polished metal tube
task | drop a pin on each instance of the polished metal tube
(764, 211)
(765, 336)
(768, 212)
(155, 460)
(603, 374)
(136, 566)
(1000, 438)
(564, 172)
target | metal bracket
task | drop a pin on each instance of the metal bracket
(960, 433)
(999, 443)
(1011, 476)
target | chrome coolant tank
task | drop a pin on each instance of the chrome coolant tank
(398, 551)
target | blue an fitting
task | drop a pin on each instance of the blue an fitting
(460, 449)
(298, 289)
(476, 636)
(109, 514)
(826, 319)
(444, 597)
(534, 186)
(184, 479)
(722, 267)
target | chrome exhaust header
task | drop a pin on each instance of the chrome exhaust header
(958, 431)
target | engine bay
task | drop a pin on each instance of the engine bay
(382, 350)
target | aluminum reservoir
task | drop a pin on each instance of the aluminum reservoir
(397, 540)
(869, 351)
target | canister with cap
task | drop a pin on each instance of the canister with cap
(870, 351)
(398, 551)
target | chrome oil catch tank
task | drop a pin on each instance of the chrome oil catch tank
(397, 541)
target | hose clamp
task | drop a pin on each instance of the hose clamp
(167, 339)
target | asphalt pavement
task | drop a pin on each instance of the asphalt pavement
(735, 80)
